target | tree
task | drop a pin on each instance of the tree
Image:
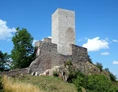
(112, 76)
(99, 65)
(4, 59)
(1, 61)
(22, 53)
(107, 69)
(89, 59)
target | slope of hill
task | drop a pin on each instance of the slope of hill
(37, 84)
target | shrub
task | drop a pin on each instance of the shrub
(98, 83)
(72, 75)
(112, 77)
(99, 65)
(68, 63)
(89, 59)
(80, 81)
(55, 74)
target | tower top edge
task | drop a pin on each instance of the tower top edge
(63, 10)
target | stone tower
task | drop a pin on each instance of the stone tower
(63, 30)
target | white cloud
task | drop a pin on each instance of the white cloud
(5, 31)
(49, 37)
(115, 62)
(96, 44)
(34, 42)
(115, 40)
(105, 53)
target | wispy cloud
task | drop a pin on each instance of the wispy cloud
(115, 62)
(96, 44)
(82, 39)
(115, 40)
(5, 31)
(105, 53)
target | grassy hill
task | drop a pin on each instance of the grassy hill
(37, 84)
(29, 83)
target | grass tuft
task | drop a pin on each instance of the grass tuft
(10, 85)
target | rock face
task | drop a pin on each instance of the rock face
(48, 56)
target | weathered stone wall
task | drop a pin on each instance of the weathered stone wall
(79, 54)
(63, 30)
(61, 48)
(16, 72)
(49, 57)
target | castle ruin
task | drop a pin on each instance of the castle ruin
(61, 48)
(63, 30)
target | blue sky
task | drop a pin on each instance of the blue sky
(96, 25)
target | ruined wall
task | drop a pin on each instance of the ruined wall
(61, 48)
(79, 54)
(15, 72)
(49, 56)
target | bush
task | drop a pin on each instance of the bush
(55, 74)
(68, 63)
(80, 81)
(98, 83)
(89, 59)
(94, 83)
(99, 65)
(112, 77)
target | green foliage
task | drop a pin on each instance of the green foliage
(72, 75)
(4, 58)
(107, 69)
(80, 81)
(22, 53)
(1, 61)
(98, 83)
(68, 63)
(48, 83)
(112, 76)
(90, 60)
(55, 74)
(113, 89)
(72, 72)
(99, 65)
(92, 83)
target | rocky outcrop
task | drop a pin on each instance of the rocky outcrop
(63, 71)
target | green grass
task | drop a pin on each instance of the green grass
(48, 83)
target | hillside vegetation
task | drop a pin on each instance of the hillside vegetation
(79, 83)
(36, 84)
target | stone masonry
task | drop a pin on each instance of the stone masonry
(53, 54)
(48, 56)
(61, 48)
(63, 30)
